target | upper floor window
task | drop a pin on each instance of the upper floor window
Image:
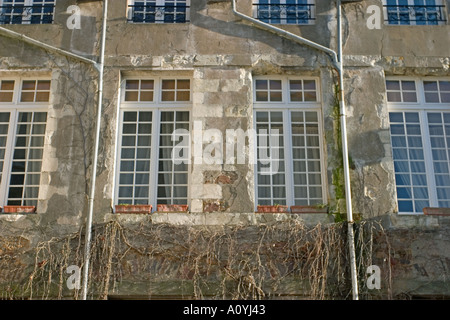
(419, 119)
(159, 11)
(23, 120)
(285, 11)
(414, 12)
(27, 11)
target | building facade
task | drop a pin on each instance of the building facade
(211, 116)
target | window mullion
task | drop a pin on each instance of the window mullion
(154, 157)
(9, 151)
(118, 155)
(322, 156)
(431, 178)
(289, 176)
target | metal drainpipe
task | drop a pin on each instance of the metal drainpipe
(87, 251)
(18, 36)
(337, 61)
(348, 192)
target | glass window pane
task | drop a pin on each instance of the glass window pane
(168, 84)
(131, 96)
(444, 86)
(430, 85)
(310, 96)
(295, 84)
(445, 97)
(126, 178)
(168, 96)
(309, 84)
(275, 84)
(7, 85)
(276, 96)
(141, 166)
(132, 85)
(392, 85)
(43, 85)
(28, 85)
(27, 97)
(261, 85)
(409, 97)
(145, 116)
(6, 96)
(129, 116)
(180, 192)
(408, 85)
(147, 84)
(183, 84)
(262, 96)
(145, 96)
(125, 191)
(432, 97)
(183, 96)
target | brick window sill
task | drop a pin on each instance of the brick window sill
(428, 211)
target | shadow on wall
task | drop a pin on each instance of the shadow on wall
(236, 28)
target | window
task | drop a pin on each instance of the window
(414, 12)
(154, 119)
(285, 11)
(419, 117)
(159, 11)
(27, 11)
(23, 120)
(289, 169)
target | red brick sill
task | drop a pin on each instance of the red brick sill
(174, 208)
(428, 211)
(18, 209)
(142, 209)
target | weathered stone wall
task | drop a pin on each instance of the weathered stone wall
(222, 55)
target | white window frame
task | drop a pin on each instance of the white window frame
(156, 107)
(14, 108)
(26, 15)
(283, 13)
(422, 108)
(411, 4)
(159, 13)
(286, 107)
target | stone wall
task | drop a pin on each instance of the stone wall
(221, 54)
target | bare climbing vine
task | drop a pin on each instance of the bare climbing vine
(229, 262)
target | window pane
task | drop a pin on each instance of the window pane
(28, 85)
(134, 175)
(407, 150)
(147, 84)
(43, 85)
(28, 149)
(305, 173)
(168, 84)
(6, 90)
(172, 176)
(27, 97)
(168, 96)
(132, 85)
